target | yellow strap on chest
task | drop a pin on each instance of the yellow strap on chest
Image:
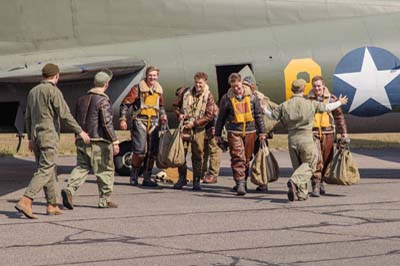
(243, 113)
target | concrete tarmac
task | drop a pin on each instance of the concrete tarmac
(354, 225)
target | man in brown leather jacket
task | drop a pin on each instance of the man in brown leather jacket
(324, 132)
(195, 107)
(240, 109)
(94, 114)
(147, 102)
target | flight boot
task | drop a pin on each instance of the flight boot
(292, 190)
(24, 206)
(53, 209)
(134, 177)
(67, 199)
(316, 186)
(322, 190)
(148, 181)
(241, 189)
(182, 181)
(196, 184)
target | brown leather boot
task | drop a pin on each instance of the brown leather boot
(53, 209)
(24, 206)
(210, 180)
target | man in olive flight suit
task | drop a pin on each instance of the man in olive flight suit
(297, 114)
(94, 113)
(45, 109)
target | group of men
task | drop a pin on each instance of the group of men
(244, 112)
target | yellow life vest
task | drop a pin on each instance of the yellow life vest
(242, 111)
(322, 120)
(149, 104)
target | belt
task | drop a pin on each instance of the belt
(323, 129)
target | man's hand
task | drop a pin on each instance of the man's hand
(115, 149)
(345, 139)
(163, 119)
(30, 146)
(181, 117)
(262, 138)
(343, 99)
(123, 125)
(85, 137)
(189, 125)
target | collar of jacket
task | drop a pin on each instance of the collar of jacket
(48, 81)
(325, 94)
(98, 92)
(145, 88)
(246, 92)
(298, 95)
(205, 89)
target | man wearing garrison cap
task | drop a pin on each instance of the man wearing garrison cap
(297, 114)
(94, 114)
(45, 109)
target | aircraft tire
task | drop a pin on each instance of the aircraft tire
(122, 160)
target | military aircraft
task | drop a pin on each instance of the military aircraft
(353, 44)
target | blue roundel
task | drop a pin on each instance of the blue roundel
(370, 77)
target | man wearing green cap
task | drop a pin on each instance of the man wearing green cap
(297, 114)
(94, 113)
(45, 109)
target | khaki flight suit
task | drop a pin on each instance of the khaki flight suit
(45, 109)
(212, 156)
(297, 114)
(94, 113)
(96, 156)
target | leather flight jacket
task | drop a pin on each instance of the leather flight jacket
(94, 114)
(227, 116)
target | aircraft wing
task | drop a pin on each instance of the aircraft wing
(73, 69)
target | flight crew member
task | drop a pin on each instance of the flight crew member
(94, 114)
(324, 132)
(147, 102)
(194, 106)
(212, 152)
(45, 109)
(297, 114)
(265, 103)
(241, 110)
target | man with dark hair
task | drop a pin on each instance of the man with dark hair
(240, 109)
(297, 114)
(94, 114)
(194, 106)
(147, 102)
(324, 132)
(45, 109)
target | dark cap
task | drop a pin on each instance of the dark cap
(50, 70)
(249, 81)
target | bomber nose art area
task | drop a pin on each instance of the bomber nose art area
(356, 225)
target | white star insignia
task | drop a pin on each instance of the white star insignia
(369, 82)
